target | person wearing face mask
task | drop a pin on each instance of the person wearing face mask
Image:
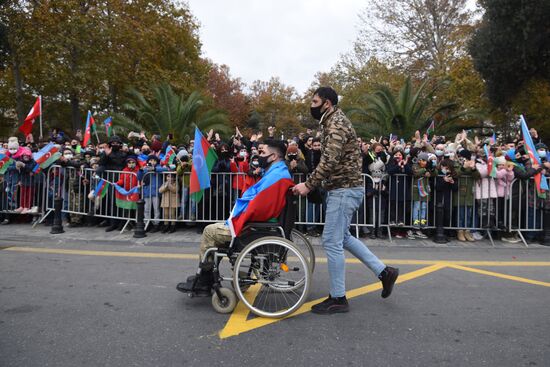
(254, 174)
(295, 161)
(24, 164)
(77, 185)
(239, 166)
(11, 175)
(112, 159)
(339, 172)
(399, 183)
(262, 202)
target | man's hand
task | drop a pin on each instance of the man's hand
(300, 189)
(108, 150)
(293, 164)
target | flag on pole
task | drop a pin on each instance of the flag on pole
(46, 156)
(169, 156)
(494, 139)
(431, 128)
(101, 188)
(90, 127)
(36, 169)
(108, 126)
(542, 185)
(491, 167)
(5, 162)
(35, 112)
(204, 158)
(126, 199)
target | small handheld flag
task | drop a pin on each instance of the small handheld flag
(101, 188)
(90, 127)
(542, 185)
(5, 162)
(431, 128)
(204, 158)
(108, 126)
(47, 156)
(168, 156)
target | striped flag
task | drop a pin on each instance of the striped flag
(47, 156)
(204, 158)
(108, 126)
(90, 127)
(126, 199)
(542, 185)
(168, 156)
(5, 162)
(101, 188)
(491, 167)
(431, 128)
(264, 200)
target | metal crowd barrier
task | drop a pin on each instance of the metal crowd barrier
(22, 191)
(388, 202)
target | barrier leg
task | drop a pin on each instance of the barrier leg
(439, 230)
(546, 226)
(139, 231)
(57, 221)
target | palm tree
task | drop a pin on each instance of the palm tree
(170, 113)
(383, 113)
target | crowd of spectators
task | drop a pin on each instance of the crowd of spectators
(405, 175)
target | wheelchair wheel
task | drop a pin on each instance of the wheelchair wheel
(275, 276)
(226, 303)
(302, 243)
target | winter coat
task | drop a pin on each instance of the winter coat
(399, 181)
(151, 181)
(486, 187)
(419, 174)
(239, 167)
(466, 180)
(504, 180)
(169, 195)
(128, 179)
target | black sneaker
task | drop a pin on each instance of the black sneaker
(388, 277)
(331, 305)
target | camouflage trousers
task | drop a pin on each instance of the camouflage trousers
(76, 204)
(214, 235)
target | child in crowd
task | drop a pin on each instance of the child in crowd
(422, 172)
(151, 179)
(169, 202)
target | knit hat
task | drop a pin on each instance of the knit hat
(13, 143)
(500, 160)
(292, 149)
(541, 146)
(130, 158)
(423, 156)
(151, 157)
(182, 153)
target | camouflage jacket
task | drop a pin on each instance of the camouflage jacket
(340, 164)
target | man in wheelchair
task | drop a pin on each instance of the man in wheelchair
(262, 202)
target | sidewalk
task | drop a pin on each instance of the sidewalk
(14, 234)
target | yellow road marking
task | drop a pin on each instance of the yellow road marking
(238, 322)
(500, 275)
(177, 256)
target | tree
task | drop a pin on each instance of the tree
(512, 46)
(227, 94)
(277, 105)
(168, 113)
(421, 36)
(382, 112)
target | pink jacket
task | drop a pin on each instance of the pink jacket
(486, 187)
(504, 179)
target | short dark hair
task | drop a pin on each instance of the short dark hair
(316, 140)
(327, 93)
(277, 145)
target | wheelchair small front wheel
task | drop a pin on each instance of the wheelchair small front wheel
(275, 276)
(226, 303)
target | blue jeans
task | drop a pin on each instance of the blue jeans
(419, 210)
(341, 204)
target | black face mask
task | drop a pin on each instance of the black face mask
(74, 146)
(115, 147)
(146, 152)
(224, 155)
(263, 163)
(316, 112)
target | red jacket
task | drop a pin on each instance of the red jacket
(242, 168)
(128, 180)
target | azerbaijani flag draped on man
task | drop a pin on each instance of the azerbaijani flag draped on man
(204, 158)
(90, 127)
(542, 184)
(46, 156)
(264, 200)
(126, 199)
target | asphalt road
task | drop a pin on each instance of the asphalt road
(96, 309)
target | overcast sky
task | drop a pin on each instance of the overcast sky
(291, 39)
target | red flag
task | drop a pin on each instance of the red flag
(35, 112)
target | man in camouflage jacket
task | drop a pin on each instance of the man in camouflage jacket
(339, 172)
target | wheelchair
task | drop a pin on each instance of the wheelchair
(271, 266)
